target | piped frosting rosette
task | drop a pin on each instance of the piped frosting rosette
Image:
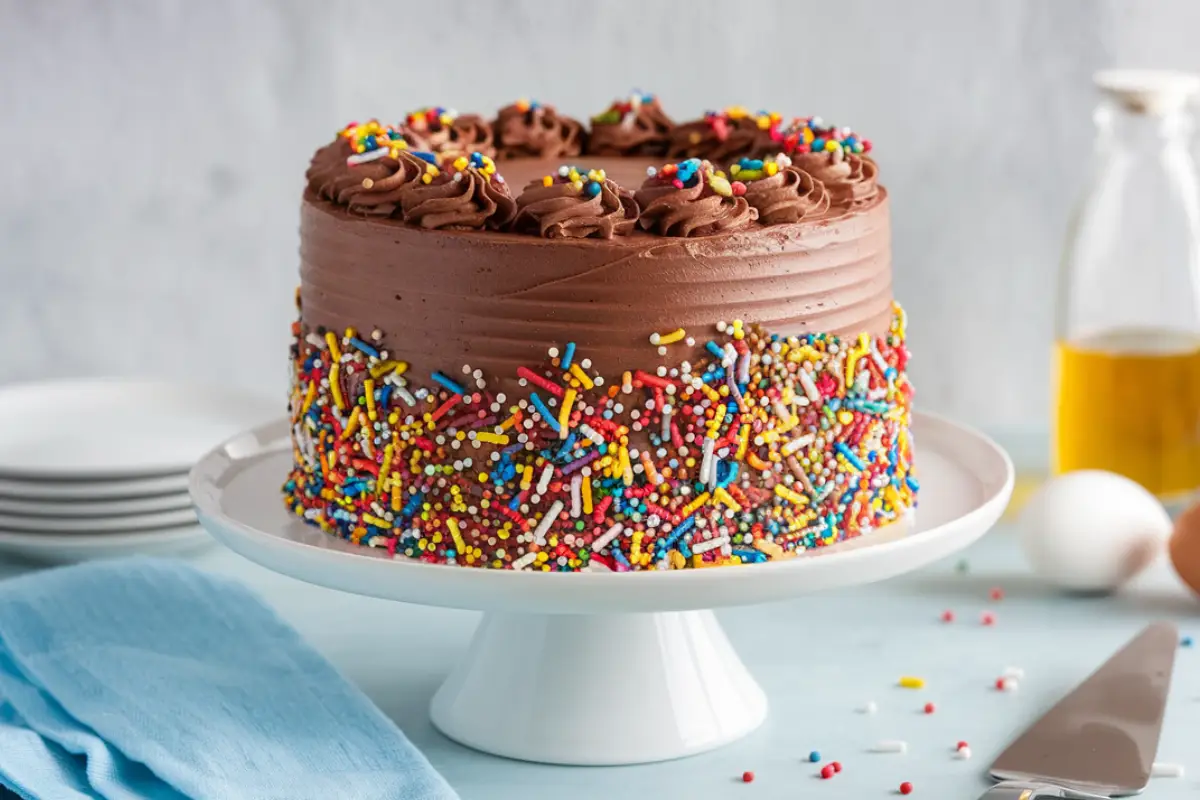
(722, 136)
(779, 191)
(692, 198)
(468, 194)
(636, 125)
(529, 129)
(575, 203)
(447, 133)
(837, 157)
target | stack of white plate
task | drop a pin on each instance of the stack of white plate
(92, 468)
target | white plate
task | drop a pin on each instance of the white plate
(83, 525)
(71, 547)
(94, 508)
(691, 692)
(116, 428)
(71, 491)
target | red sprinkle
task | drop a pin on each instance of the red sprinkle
(837, 766)
(906, 788)
(997, 593)
(747, 777)
(961, 745)
(930, 708)
(1001, 684)
(828, 771)
(988, 618)
(947, 616)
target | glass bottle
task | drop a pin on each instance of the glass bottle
(1127, 383)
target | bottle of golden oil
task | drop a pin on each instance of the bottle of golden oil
(1127, 361)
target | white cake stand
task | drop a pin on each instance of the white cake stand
(648, 670)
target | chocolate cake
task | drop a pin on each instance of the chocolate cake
(532, 344)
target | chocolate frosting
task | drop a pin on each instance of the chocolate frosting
(448, 134)
(789, 195)
(849, 178)
(531, 130)
(372, 187)
(724, 136)
(497, 300)
(561, 208)
(468, 198)
(636, 126)
(701, 206)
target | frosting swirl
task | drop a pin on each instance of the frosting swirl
(367, 181)
(575, 205)
(722, 136)
(528, 129)
(851, 180)
(691, 199)
(780, 192)
(473, 196)
(634, 126)
(445, 132)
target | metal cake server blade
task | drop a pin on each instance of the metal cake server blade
(1100, 740)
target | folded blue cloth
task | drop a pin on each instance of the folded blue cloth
(144, 678)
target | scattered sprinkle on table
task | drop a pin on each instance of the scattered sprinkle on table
(1161, 770)
(814, 756)
(1186, 641)
(827, 771)
(1005, 684)
(962, 567)
(869, 708)
(890, 746)
(930, 708)
(996, 593)
(988, 618)
(837, 766)
(1016, 673)
(947, 616)
(911, 682)
(906, 788)
(747, 777)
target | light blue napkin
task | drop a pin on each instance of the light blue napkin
(144, 678)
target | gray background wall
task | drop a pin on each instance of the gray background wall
(153, 152)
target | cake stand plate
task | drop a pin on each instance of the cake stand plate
(650, 673)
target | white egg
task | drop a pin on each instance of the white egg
(1091, 531)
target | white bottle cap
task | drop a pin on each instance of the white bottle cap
(1148, 91)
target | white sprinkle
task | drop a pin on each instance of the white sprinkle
(591, 434)
(1163, 770)
(544, 482)
(370, 155)
(963, 754)
(890, 746)
(797, 443)
(1015, 673)
(711, 544)
(548, 519)
(1009, 685)
(655, 339)
(810, 388)
(576, 501)
(524, 561)
(607, 537)
(869, 708)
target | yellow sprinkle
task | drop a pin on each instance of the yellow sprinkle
(710, 393)
(582, 376)
(386, 367)
(791, 496)
(720, 186)
(743, 442)
(648, 466)
(547, 180)
(386, 468)
(726, 499)
(668, 338)
(378, 522)
(753, 460)
(691, 507)
(585, 490)
(452, 524)
(845, 417)
(334, 351)
(676, 559)
(626, 467)
(369, 394)
(352, 424)
(910, 682)
(309, 396)
(635, 547)
(626, 381)
(508, 423)
(771, 167)
(527, 478)
(771, 549)
(335, 387)
(492, 438)
(461, 163)
(564, 413)
(396, 496)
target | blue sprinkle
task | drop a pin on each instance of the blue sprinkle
(425, 156)
(749, 555)
(715, 349)
(568, 354)
(363, 347)
(544, 411)
(849, 455)
(448, 383)
(912, 483)
(593, 188)
(814, 756)
(1186, 641)
(385, 394)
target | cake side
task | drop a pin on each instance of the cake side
(496, 300)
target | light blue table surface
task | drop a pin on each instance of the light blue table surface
(819, 658)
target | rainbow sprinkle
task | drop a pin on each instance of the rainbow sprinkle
(688, 173)
(623, 109)
(589, 182)
(812, 135)
(372, 139)
(773, 446)
(430, 118)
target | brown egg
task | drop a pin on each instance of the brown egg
(1184, 547)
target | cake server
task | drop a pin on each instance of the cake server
(1100, 740)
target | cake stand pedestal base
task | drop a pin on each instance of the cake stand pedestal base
(599, 690)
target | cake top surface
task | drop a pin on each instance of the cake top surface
(630, 170)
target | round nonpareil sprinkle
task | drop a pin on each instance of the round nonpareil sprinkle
(906, 788)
